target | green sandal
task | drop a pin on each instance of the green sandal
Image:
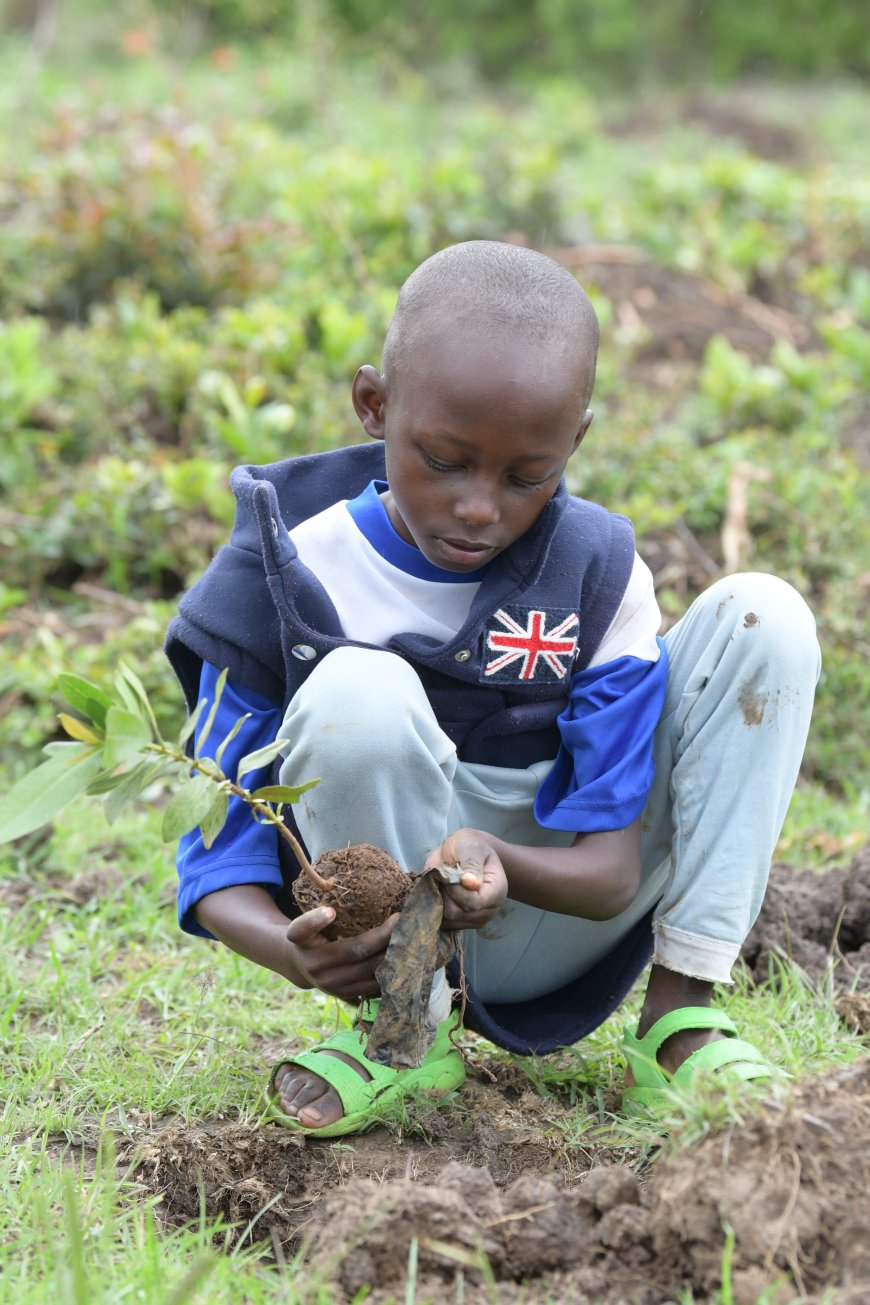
(381, 1098)
(654, 1087)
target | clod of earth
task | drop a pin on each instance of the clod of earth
(363, 885)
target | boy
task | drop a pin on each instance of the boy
(468, 658)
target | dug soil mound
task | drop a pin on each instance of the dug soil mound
(819, 920)
(497, 1202)
(790, 1184)
(677, 312)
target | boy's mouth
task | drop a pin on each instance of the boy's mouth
(464, 550)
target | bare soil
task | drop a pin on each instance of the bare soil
(679, 311)
(819, 920)
(492, 1189)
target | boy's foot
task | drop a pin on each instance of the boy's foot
(650, 1083)
(333, 1090)
(307, 1096)
(677, 1048)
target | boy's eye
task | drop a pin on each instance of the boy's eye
(435, 464)
(445, 467)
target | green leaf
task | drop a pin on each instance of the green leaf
(209, 720)
(191, 723)
(127, 696)
(105, 782)
(67, 748)
(190, 804)
(83, 696)
(138, 689)
(218, 756)
(262, 757)
(126, 735)
(282, 792)
(38, 797)
(132, 784)
(213, 821)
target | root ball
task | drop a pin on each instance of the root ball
(365, 886)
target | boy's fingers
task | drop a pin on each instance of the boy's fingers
(305, 928)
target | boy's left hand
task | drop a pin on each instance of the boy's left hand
(472, 903)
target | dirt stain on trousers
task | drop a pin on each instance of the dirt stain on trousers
(753, 700)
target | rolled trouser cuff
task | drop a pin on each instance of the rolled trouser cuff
(694, 955)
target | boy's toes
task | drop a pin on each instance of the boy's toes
(297, 1089)
(305, 1096)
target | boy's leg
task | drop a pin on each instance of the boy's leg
(743, 667)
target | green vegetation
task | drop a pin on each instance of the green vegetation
(192, 266)
(196, 251)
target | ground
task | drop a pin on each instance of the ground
(493, 1189)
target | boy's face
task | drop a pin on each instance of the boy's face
(477, 434)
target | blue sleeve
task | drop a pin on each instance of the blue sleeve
(245, 851)
(604, 769)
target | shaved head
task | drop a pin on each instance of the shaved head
(501, 292)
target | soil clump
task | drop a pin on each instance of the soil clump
(555, 1222)
(365, 887)
(820, 920)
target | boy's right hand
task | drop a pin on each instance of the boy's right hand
(345, 967)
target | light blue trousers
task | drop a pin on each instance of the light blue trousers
(743, 664)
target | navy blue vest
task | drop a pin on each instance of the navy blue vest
(257, 602)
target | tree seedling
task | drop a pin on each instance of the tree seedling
(116, 752)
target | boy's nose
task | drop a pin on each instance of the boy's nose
(478, 508)
(477, 505)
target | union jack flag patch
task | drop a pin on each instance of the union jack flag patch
(525, 643)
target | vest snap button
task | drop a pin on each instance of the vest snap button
(304, 652)
(463, 655)
(274, 527)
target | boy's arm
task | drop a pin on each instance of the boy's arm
(246, 919)
(598, 784)
(226, 890)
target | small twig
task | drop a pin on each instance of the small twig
(72, 1049)
(108, 597)
(520, 1214)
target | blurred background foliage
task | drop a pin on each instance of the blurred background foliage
(206, 211)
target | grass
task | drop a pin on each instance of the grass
(110, 1020)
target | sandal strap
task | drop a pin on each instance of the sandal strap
(677, 1021)
(352, 1043)
(743, 1058)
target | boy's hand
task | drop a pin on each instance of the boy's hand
(472, 903)
(345, 967)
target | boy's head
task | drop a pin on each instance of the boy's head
(488, 368)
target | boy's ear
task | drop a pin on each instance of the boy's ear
(368, 393)
(584, 426)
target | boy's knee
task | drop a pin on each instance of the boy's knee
(770, 615)
(353, 692)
